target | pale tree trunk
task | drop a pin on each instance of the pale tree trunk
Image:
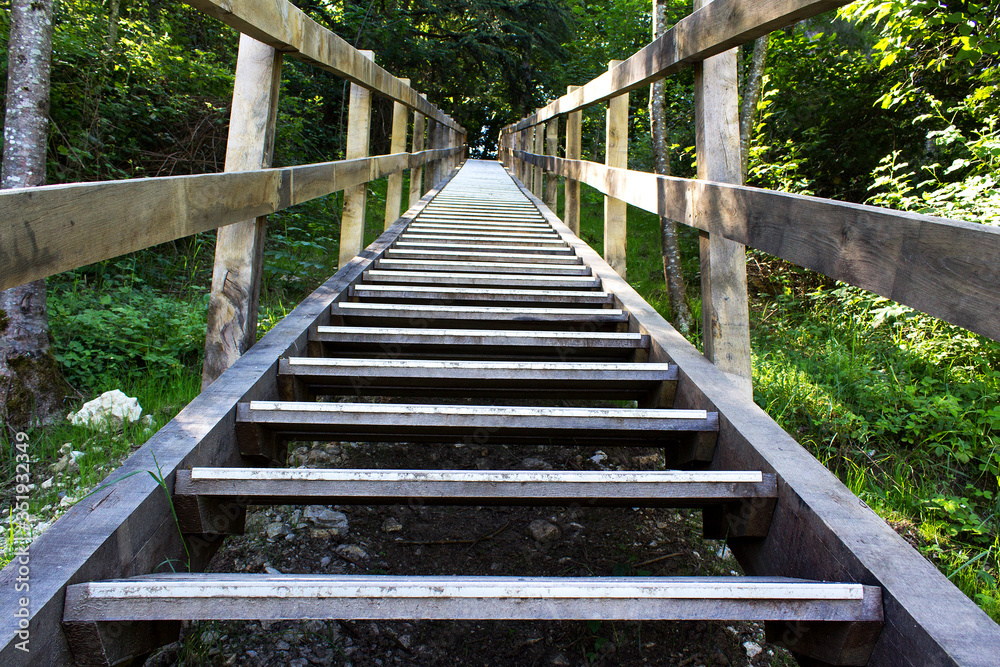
(672, 274)
(753, 87)
(31, 388)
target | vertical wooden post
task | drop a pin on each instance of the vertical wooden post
(538, 171)
(574, 124)
(352, 222)
(520, 139)
(552, 148)
(239, 248)
(616, 155)
(394, 190)
(417, 175)
(725, 312)
(432, 144)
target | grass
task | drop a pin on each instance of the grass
(905, 409)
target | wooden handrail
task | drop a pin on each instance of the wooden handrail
(55, 228)
(945, 268)
(717, 27)
(287, 28)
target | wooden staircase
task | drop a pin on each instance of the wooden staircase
(479, 323)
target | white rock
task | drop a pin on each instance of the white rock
(110, 408)
(752, 649)
(351, 552)
(47, 484)
(599, 456)
(543, 531)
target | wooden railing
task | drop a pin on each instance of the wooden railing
(945, 268)
(47, 230)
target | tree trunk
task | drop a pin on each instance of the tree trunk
(31, 387)
(672, 274)
(752, 90)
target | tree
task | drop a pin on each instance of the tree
(31, 387)
(672, 273)
(751, 91)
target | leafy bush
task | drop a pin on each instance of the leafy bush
(124, 330)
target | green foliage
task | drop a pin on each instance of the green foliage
(124, 328)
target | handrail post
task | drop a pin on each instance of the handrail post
(417, 145)
(433, 132)
(551, 179)
(539, 149)
(616, 155)
(724, 307)
(239, 248)
(394, 189)
(574, 124)
(352, 223)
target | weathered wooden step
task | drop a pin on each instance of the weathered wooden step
(480, 214)
(263, 427)
(484, 267)
(212, 596)
(200, 494)
(463, 222)
(567, 298)
(438, 231)
(517, 317)
(419, 341)
(473, 256)
(526, 250)
(484, 279)
(484, 240)
(302, 378)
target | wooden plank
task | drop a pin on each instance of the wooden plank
(479, 294)
(258, 421)
(50, 229)
(713, 29)
(239, 248)
(286, 28)
(305, 378)
(574, 124)
(489, 313)
(280, 597)
(394, 188)
(352, 218)
(479, 337)
(126, 527)
(616, 155)
(725, 304)
(538, 187)
(918, 260)
(483, 267)
(820, 529)
(481, 279)
(522, 250)
(453, 255)
(483, 234)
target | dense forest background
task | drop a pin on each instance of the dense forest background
(890, 102)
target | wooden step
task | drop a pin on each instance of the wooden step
(199, 494)
(484, 267)
(264, 427)
(514, 317)
(438, 231)
(461, 220)
(482, 343)
(484, 279)
(213, 596)
(526, 250)
(473, 256)
(484, 240)
(303, 378)
(566, 298)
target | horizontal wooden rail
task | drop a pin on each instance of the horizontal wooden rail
(717, 27)
(945, 268)
(55, 228)
(282, 25)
